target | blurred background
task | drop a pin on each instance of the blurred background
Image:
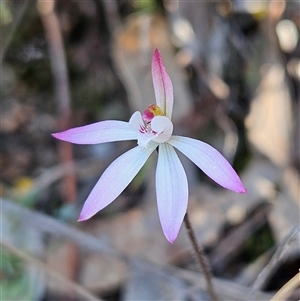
(235, 67)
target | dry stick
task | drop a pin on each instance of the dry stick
(275, 261)
(61, 85)
(235, 240)
(203, 260)
(287, 289)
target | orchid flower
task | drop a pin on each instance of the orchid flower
(153, 130)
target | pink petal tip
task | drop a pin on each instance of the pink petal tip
(55, 135)
(171, 240)
(82, 218)
(243, 189)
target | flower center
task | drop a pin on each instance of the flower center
(153, 125)
(151, 112)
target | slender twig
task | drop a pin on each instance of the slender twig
(61, 84)
(233, 242)
(287, 289)
(279, 255)
(201, 257)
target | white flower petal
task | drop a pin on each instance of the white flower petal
(99, 132)
(212, 163)
(136, 121)
(145, 138)
(115, 179)
(163, 126)
(171, 191)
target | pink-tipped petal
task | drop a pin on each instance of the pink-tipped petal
(100, 132)
(115, 179)
(212, 163)
(171, 191)
(163, 87)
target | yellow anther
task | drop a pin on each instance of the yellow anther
(151, 112)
